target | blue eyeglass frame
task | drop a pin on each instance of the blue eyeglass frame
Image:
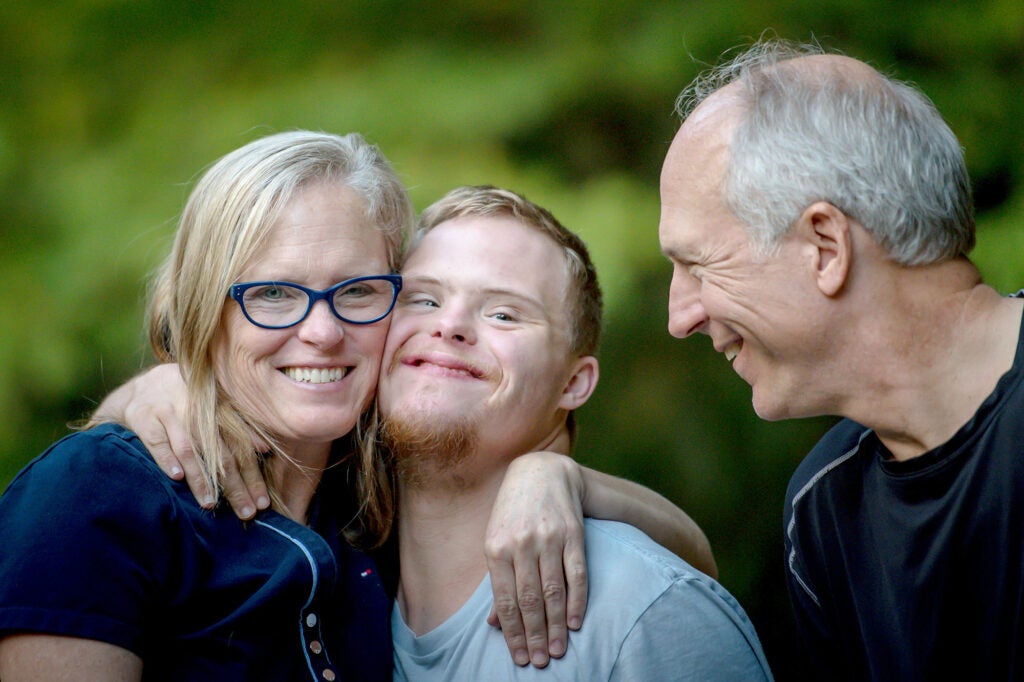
(237, 291)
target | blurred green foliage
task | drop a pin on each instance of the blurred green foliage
(110, 108)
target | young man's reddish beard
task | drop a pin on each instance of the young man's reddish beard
(425, 450)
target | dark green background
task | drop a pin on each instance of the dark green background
(109, 109)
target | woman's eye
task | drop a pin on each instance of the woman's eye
(274, 293)
(354, 291)
(270, 293)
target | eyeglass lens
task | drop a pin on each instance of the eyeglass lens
(280, 305)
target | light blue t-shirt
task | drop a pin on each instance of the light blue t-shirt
(650, 616)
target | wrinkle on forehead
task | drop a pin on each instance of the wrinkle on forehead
(699, 154)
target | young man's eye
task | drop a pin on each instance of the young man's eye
(418, 300)
(503, 316)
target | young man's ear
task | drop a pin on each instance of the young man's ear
(827, 233)
(582, 382)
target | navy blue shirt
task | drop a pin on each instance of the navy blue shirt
(913, 570)
(96, 542)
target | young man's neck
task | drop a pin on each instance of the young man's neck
(442, 523)
(440, 542)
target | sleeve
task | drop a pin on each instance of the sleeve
(694, 630)
(818, 651)
(817, 646)
(85, 542)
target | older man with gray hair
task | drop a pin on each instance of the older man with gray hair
(818, 217)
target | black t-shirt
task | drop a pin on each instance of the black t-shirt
(913, 570)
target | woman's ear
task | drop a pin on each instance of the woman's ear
(582, 382)
(826, 230)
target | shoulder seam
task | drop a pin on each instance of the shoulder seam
(824, 471)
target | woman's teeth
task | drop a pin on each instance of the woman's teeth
(314, 375)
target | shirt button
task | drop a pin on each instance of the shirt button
(328, 675)
(315, 647)
(311, 620)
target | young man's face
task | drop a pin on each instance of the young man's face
(481, 334)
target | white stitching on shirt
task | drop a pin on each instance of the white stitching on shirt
(791, 562)
(316, 580)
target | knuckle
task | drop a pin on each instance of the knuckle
(530, 601)
(549, 535)
(553, 592)
(506, 607)
(498, 549)
(537, 640)
(516, 640)
(557, 630)
(525, 537)
(576, 574)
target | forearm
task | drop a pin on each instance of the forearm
(610, 497)
(113, 407)
(51, 657)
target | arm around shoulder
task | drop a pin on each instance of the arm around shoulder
(153, 405)
(618, 499)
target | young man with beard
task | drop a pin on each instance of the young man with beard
(490, 351)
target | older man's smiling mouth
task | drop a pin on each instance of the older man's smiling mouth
(732, 350)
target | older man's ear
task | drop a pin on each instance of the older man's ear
(828, 233)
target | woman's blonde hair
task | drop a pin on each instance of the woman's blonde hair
(225, 223)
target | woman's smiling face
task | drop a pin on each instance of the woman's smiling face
(308, 383)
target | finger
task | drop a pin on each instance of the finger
(236, 491)
(172, 451)
(198, 483)
(576, 581)
(506, 610)
(163, 454)
(252, 480)
(553, 586)
(530, 598)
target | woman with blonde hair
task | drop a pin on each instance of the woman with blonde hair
(274, 303)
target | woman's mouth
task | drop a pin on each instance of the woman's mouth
(316, 375)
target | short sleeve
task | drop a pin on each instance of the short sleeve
(695, 631)
(85, 537)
